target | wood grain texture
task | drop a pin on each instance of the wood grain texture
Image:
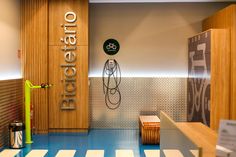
(69, 119)
(34, 46)
(11, 102)
(40, 43)
(220, 76)
(57, 10)
(150, 129)
(226, 19)
(204, 137)
(150, 134)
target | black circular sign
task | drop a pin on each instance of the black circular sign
(111, 46)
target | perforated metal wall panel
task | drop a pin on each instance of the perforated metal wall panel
(139, 96)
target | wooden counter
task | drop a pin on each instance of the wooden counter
(201, 135)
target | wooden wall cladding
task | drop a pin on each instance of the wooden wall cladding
(226, 19)
(41, 44)
(10, 106)
(57, 10)
(68, 119)
(76, 119)
(34, 45)
(220, 76)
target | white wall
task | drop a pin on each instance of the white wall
(9, 39)
(153, 36)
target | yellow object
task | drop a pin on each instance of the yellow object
(28, 86)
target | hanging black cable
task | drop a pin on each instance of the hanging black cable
(111, 78)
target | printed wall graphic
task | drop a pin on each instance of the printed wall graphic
(198, 93)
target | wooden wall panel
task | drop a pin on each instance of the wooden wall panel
(11, 103)
(68, 120)
(220, 76)
(41, 32)
(34, 46)
(226, 18)
(57, 10)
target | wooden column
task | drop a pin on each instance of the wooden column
(68, 120)
(226, 18)
(34, 46)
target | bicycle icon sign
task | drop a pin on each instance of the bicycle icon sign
(111, 46)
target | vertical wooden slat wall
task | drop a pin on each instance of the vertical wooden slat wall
(42, 58)
(34, 46)
(10, 106)
(226, 18)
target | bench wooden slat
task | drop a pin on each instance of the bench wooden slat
(150, 129)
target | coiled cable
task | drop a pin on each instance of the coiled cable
(111, 78)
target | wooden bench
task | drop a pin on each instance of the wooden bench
(150, 129)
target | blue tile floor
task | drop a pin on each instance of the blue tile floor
(107, 140)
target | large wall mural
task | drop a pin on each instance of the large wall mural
(198, 99)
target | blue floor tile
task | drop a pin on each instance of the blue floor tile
(107, 140)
